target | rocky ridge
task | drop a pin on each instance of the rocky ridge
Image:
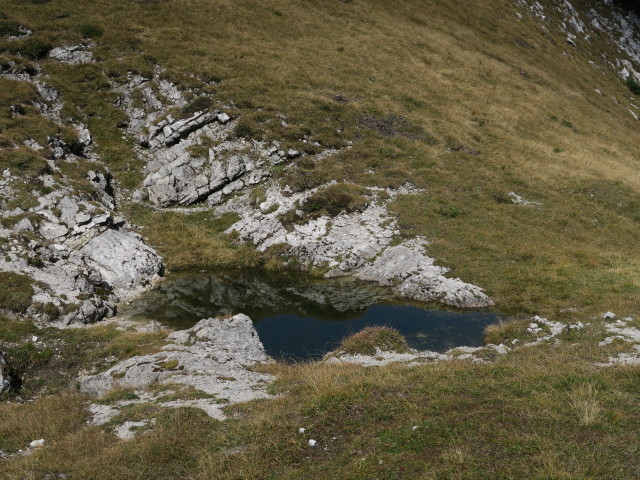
(603, 18)
(82, 257)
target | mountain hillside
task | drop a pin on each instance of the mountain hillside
(473, 155)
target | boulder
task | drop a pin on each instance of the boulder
(124, 261)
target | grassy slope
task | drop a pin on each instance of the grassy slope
(457, 73)
(540, 413)
(453, 69)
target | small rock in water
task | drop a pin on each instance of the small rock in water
(312, 443)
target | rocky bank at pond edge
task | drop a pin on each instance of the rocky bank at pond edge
(212, 364)
(60, 227)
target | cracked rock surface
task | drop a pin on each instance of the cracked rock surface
(82, 257)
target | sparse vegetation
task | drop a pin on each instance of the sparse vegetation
(633, 85)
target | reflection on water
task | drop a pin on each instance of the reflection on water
(299, 317)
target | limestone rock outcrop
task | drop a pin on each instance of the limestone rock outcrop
(211, 357)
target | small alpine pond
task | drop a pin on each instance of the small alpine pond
(298, 317)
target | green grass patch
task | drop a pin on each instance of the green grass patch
(15, 292)
(366, 341)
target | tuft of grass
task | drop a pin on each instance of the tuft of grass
(32, 48)
(192, 241)
(585, 400)
(633, 85)
(9, 28)
(89, 30)
(335, 199)
(504, 331)
(366, 341)
(198, 104)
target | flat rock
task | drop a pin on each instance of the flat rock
(210, 357)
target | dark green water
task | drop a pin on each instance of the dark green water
(299, 318)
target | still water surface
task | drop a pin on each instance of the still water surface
(300, 318)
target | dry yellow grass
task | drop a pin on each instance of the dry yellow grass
(457, 71)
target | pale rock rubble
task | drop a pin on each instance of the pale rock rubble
(622, 330)
(82, 256)
(71, 54)
(192, 159)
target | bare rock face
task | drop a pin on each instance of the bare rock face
(210, 357)
(5, 382)
(124, 261)
(71, 54)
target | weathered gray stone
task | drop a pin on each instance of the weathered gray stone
(5, 379)
(71, 54)
(52, 231)
(68, 211)
(211, 357)
(123, 260)
(24, 225)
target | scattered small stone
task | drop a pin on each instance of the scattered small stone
(301, 431)
(534, 328)
(37, 443)
(312, 442)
